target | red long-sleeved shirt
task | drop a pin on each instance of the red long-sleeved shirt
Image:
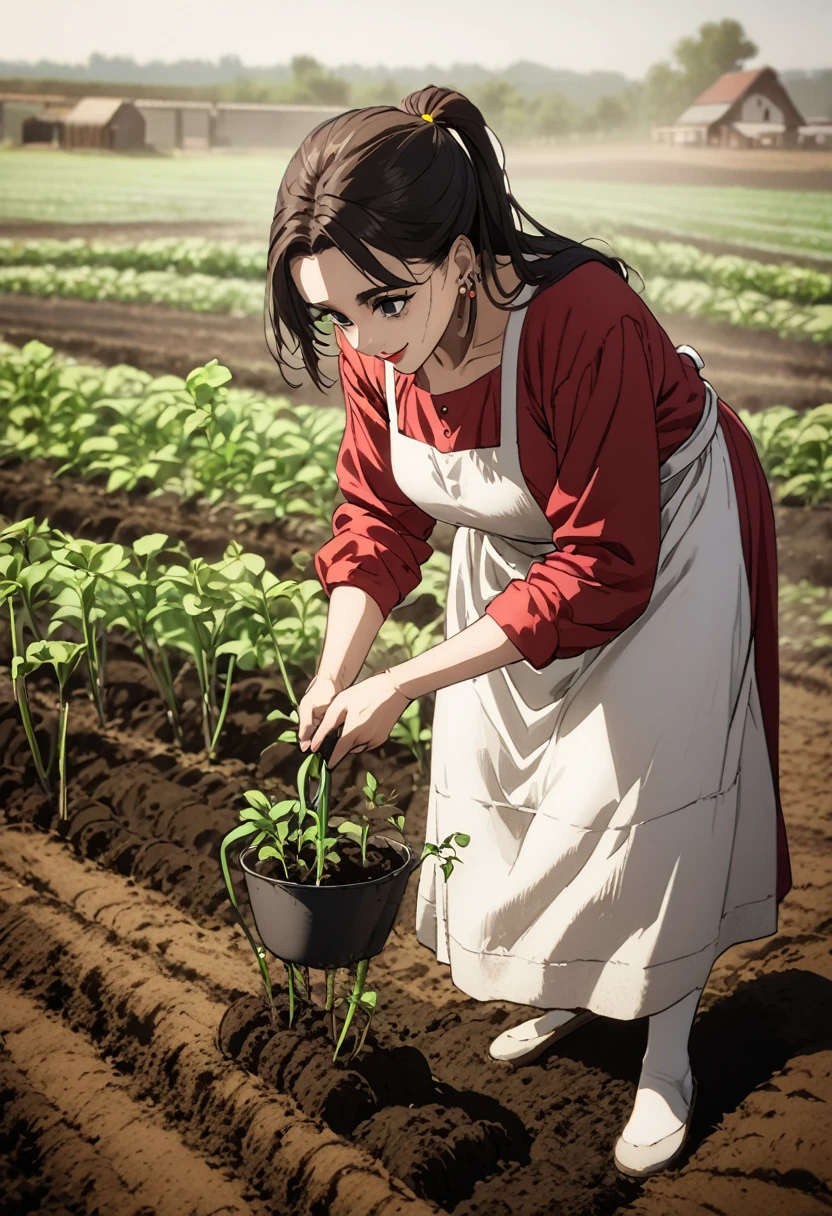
(602, 399)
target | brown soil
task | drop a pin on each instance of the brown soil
(750, 369)
(139, 1072)
(662, 164)
(158, 340)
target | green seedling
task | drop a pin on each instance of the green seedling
(63, 658)
(135, 595)
(376, 805)
(80, 565)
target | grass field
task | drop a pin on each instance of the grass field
(70, 188)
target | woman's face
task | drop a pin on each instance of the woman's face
(406, 323)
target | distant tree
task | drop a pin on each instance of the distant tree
(503, 106)
(554, 114)
(377, 93)
(719, 47)
(312, 84)
(664, 93)
(610, 113)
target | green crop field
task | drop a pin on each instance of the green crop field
(71, 188)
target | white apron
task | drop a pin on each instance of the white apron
(620, 804)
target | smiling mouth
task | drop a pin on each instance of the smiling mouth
(394, 358)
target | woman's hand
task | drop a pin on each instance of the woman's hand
(313, 705)
(368, 711)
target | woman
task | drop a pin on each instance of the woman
(606, 714)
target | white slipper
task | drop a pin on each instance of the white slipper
(639, 1160)
(524, 1043)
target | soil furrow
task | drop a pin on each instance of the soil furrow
(163, 1033)
(749, 368)
(98, 1142)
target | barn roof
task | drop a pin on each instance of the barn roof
(54, 113)
(94, 111)
(729, 88)
(702, 116)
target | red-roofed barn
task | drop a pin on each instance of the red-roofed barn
(740, 110)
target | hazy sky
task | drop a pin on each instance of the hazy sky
(579, 34)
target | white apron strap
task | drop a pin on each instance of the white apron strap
(696, 443)
(508, 373)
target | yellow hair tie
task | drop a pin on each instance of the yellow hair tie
(427, 118)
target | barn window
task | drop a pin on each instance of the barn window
(766, 113)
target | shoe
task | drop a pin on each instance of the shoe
(639, 1160)
(524, 1043)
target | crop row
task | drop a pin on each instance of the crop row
(205, 293)
(187, 255)
(65, 188)
(246, 260)
(65, 596)
(201, 439)
(191, 292)
(750, 309)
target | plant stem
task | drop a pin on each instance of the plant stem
(284, 675)
(290, 984)
(354, 998)
(30, 616)
(102, 664)
(21, 696)
(369, 1016)
(92, 661)
(226, 698)
(62, 722)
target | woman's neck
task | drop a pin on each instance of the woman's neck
(453, 364)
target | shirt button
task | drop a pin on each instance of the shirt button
(443, 409)
(447, 432)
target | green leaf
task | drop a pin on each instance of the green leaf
(258, 799)
(350, 829)
(150, 544)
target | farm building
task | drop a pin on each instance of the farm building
(104, 122)
(740, 110)
(196, 125)
(46, 127)
(17, 108)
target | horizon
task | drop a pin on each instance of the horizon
(632, 39)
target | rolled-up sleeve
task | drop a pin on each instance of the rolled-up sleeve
(604, 509)
(379, 536)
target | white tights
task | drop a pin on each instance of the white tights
(665, 1085)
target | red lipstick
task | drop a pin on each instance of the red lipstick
(394, 358)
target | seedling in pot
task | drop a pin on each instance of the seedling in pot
(357, 827)
(281, 833)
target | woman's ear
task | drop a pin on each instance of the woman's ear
(463, 260)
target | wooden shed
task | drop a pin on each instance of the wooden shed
(46, 127)
(110, 123)
(740, 110)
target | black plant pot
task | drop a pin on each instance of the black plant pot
(326, 927)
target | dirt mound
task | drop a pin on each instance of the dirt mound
(750, 369)
(139, 1072)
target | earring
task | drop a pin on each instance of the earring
(469, 290)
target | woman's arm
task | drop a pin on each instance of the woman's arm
(480, 648)
(352, 625)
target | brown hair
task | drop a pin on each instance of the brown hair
(382, 177)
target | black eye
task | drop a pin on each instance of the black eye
(397, 305)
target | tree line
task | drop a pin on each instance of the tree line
(666, 90)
